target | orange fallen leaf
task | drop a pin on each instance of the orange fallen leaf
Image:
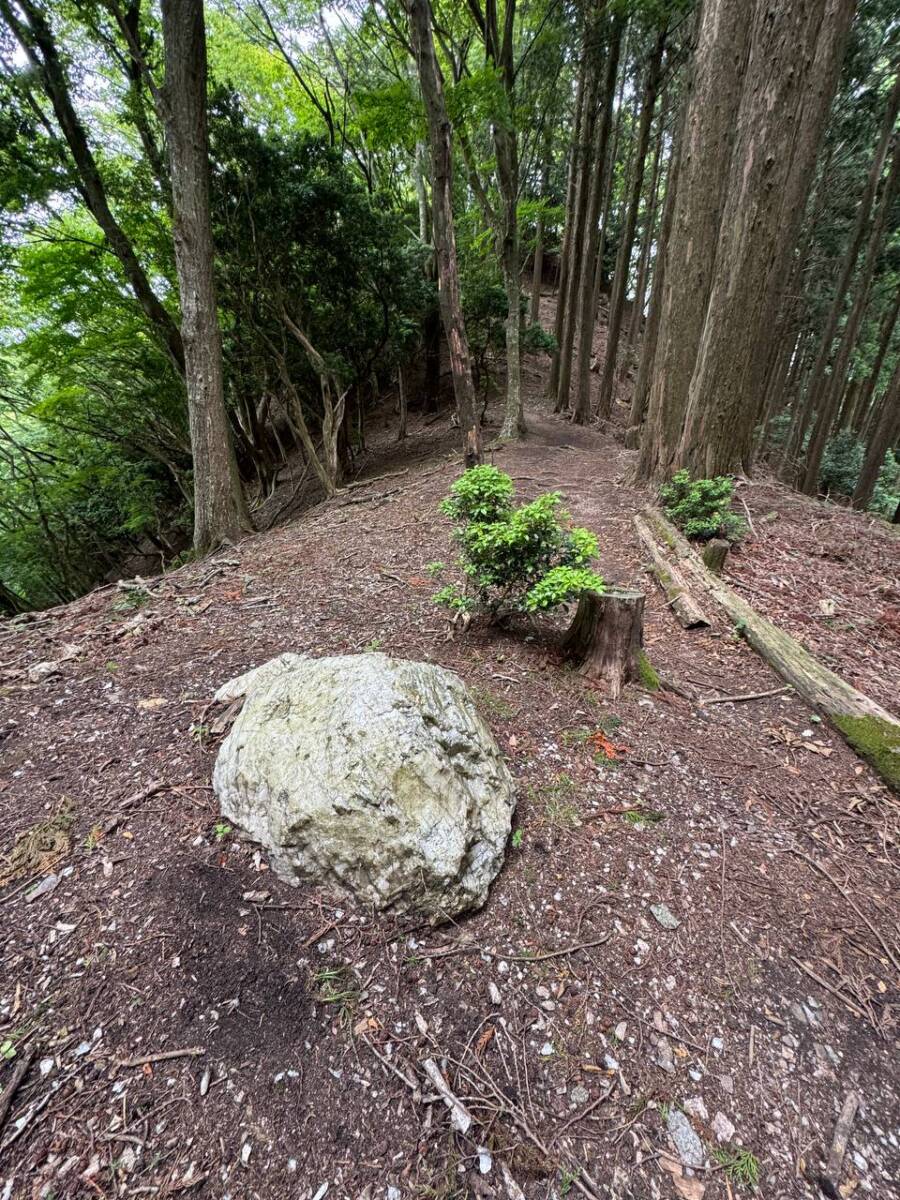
(482, 1044)
(418, 581)
(601, 743)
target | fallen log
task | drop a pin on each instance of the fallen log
(671, 580)
(869, 729)
(606, 639)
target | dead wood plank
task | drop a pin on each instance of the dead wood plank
(869, 729)
(671, 580)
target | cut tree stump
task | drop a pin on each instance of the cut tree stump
(606, 637)
(672, 582)
(714, 554)
(869, 729)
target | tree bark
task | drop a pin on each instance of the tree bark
(432, 86)
(623, 260)
(790, 79)
(886, 432)
(832, 393)
(219, 508)
(686, 261)
(36, 39)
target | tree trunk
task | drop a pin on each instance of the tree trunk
(537, 271)
(606, 637)
(885, 334)
(401, 402)
(650, 339)
(815, 386)
(36, 39)
(444, 233)
(623, 261)
(565, 253)
(832, 393)
(219, 508)
(586, 309)
(788, 87)
(640, 292)
(686, 260)
(577, 246)
(612, 158)
(885, 434)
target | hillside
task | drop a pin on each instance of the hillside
(696, 913)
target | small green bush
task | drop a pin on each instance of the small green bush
(701, 508)
(515, 558)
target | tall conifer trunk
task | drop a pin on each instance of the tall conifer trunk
(444, 233)
(219, 509)
(685, 269)
(795, 52)
(623, 260)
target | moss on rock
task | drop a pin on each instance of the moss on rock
(875, 740)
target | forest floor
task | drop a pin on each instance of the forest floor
(738, 1016)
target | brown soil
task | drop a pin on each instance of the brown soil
(772, 845)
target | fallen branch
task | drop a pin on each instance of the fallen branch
(460, 1117)
(672, 582)
(163, 1056)
(832, 1177)
(746, 696)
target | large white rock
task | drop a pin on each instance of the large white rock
(370, 774)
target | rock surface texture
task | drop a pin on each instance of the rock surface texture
(369, 774)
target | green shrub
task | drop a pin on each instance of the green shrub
(515, 558)
(702, 507)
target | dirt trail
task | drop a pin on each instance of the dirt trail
(767, 841)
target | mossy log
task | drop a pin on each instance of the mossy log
(606, 637)
(672, 582)
(869, 729)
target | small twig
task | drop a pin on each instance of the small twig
(395, 1070)
(320, 933)
(163, 1056)
(745, 696)
(579, 1116)
(749, 518)
(19, 1073)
